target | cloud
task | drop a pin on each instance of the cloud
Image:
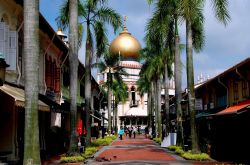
(224, 46)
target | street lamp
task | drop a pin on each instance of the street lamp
(3, 67)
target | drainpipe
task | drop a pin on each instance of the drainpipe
(224, 87)
(241, 76)
(17, 60)
(44, 55)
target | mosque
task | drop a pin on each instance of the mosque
(134, 111)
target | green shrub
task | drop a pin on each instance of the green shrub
(179, 151)
(200, 157)
(174, 148)
(71, 159)
(113, 137)
(90, 151)
(103, 141)
(157, 140)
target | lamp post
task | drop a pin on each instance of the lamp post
(3, 66)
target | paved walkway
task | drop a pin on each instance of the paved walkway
(138, 151)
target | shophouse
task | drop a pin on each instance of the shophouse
(223, 117)
(54, 116)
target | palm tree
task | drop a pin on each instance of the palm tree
(73, 63)
(144, 86)
(160, 34)
(154, 64)
(120, 93)
(31, 56)
(94, 15)
(110, 66)
(193, 14)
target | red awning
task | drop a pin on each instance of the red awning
(235, 108)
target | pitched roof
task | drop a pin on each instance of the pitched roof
(235, 108)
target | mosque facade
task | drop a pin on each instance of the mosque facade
(133, 112)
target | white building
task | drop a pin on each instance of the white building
(134, 110)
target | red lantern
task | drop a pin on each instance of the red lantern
(79, 127)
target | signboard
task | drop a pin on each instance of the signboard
(205, 107)
(211, 105)
(198, 104)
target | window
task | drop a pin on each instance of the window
(8, 45)
(244, 89)
(133, 95)
(235, 91)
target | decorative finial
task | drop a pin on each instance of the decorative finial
(124, 22)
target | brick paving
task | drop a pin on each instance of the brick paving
(136, 151)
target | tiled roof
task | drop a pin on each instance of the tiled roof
(235, 108)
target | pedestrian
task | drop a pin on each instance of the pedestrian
(134, 131)
(146, 132)
(121, 132)
(126, 131)
(130, 132)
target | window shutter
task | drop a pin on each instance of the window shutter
(6, 38)
(2, 41)
(12, 50)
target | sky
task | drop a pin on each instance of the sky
(225, 46)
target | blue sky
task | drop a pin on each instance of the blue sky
(224, 46)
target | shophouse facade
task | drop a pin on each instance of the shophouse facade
(223, 118)
(54, 116)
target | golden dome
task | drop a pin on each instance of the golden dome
(125, 45)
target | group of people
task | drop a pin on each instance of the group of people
(128, 131)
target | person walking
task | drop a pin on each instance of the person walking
(134, 132)
(121, 132)
(130, 132)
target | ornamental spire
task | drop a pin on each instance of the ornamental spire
(124, 23)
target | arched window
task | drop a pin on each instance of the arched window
(133, 95)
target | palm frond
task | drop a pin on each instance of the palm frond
(110, 16)
(63, 18)
(198, 30)
(100, 38)
(221, 11)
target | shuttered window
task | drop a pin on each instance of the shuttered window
(2, 40)
(12, 50)
(8, 46)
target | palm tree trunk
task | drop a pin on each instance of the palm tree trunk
(190, 84)
(31, 59)
(115, 116)
(158, 94)
(155, 109)
(88, 85)
(149, 109)
(178, 95)
(166, 100)
(153, 103)
(73, 62)
(109, 102)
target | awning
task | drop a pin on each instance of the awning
(18, 95)
(235, 108)
(136, 111)
(202, 114)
